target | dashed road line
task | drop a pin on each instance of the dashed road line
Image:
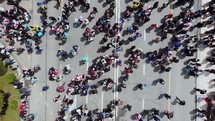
(51, 113)
(41, 94)
(144, 35)
(144, 68)
(102, 99)
(47, 104)
(87, 66)
(87, 98)
(143, 103)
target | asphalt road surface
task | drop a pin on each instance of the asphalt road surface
(176, 84)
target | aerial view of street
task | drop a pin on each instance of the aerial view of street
(107, 60)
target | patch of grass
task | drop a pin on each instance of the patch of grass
(1, 102)
(9, 78)
(13, 104)
(12, 112)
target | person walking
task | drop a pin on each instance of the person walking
(202, 91)
(52, 18)
(168, 114)
(180, 102)
(167, 96)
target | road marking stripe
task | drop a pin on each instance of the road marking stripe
(116, 11)
(41, 94)
(47, 104)
(51, 113)
(75, 101)
(87, 66)
(35, 85)
(102, 99)
(144, 69)
(143, 101)
(87, 98)
(119, 11)
(29, 57)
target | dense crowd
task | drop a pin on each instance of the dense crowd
(15, 28)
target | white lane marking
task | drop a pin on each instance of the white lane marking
(75, 101)
(47, 104)
(144, 68)
(143, 101)
(51, 113)
(144, 35)
(119, 10)
(116, 111)
(102, 101)
(41, 94)
(117, 83)
(116, 11)
(87, 66)
(87, 98)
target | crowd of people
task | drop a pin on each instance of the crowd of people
(15, 28)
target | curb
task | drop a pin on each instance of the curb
(19, 71)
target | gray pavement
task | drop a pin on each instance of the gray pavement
(177, 84)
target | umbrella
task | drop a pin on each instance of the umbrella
(22, 107)
(39, 34)
(27, 27)
(55, 72)
(85, 58)
(177, 44)
(65, 35)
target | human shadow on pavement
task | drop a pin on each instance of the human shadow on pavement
(161, 114)
(135, 88)
(133, 117)
(160, 96)
(192, 112)
(81, 62)
(104, 4)
(180, 54)
(127, 1)
(192, 92)
(183, 71)
(57, 6)
(154, 83)
(127, 53)
(100, 1)
(174, 102)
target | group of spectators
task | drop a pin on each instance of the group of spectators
(15, 28)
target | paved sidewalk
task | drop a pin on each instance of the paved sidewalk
(204, 80)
